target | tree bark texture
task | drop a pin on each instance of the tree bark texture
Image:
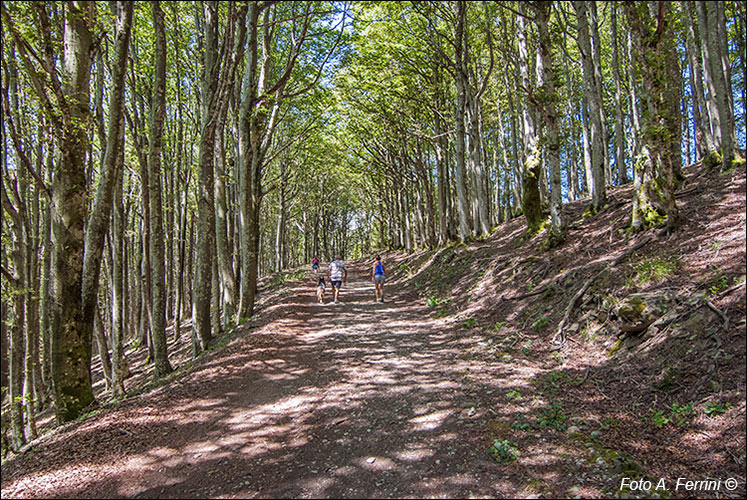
(158, 276)
(655, 58)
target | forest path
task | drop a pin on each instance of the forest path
(357, 400)
(360, 399)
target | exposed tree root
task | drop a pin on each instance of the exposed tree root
(559, 337)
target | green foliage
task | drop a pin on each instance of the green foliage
(469, 323)
(550, 384)
(514, 395)
(654, 269)
(497, 326)
(681, 415)
(609, 423)
(285, 277)
(434, 301)
(527, 349)
(552, 416)
(442, 313)
(718, 284)
(716, 409)
(503, 451)
(521, 424)
(540, 323)
(615, 347)
(678, 415)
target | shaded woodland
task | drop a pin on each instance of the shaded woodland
(160, 158)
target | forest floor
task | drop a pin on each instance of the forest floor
(404, 398)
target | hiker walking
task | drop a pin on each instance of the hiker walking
(315, 264)
(378, 275)
(337, 274)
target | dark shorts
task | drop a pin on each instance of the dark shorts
(315, 266)
(379, 279)
(336, 284)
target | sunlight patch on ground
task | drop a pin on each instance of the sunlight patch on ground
(60, 480)
(375, 463)
(414, 455)
(430, 421)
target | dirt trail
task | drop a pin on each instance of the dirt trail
(357, 399)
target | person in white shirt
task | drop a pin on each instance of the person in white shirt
(337, 274)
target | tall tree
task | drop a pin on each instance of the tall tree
(532, 165)
(545, 101)
(591, 91)
(69, 111)
(157, 113)
(655, 58)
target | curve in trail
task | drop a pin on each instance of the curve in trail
(357, 399)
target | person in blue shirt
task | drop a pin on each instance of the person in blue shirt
(378, 275)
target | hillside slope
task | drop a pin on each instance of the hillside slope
(666, 402)
(404, 399)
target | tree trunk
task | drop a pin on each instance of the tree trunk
(17, 346)
(118, 282)
(622, 175)
(459, 118)
(157, 113)
(71, 339)
(222, 218)
(703, 136)
(596, 179)
(596, 60)
(531, 168)
(712, 46)
(206, 187)
(103, 348)
(714, 117)
(247, 142)
(655, 58)
(548, 98)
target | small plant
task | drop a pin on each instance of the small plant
(521, 424)
(715, 409)
(527, 348)
(682, 414)
(658, 418)
(552, 416)
(497, 327)
(540, 323)
(514, 395)
(469, 323)
(679, 415)
(434, 301)
(609, 423)
(551, 382)
(655, 269)
(718, 285)
(503, 451)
